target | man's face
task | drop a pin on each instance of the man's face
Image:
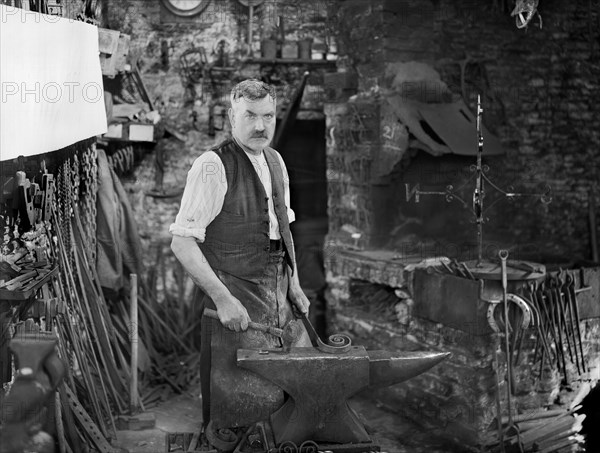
(253, 122)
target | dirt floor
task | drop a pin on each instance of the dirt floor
(182, 413)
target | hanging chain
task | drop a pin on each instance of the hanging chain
(77, 185)
(75, 179)
(89, 188)
(65, 205)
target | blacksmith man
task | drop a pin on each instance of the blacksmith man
(232, 236)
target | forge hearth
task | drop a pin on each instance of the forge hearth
(387, 301)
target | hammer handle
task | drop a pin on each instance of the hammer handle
(251, 325)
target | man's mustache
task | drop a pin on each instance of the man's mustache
(259, 135)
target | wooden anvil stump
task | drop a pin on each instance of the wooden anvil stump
(319, 385)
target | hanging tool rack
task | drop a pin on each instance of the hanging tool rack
(48, 277)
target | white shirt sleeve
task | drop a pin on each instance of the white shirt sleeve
(286, 190)
(202, 198)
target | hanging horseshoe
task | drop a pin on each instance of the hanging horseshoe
(514, 299)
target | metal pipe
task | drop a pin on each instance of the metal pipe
(133, 317)
(478, 193)
(592, 219)
(577, 322)
(250, 25)
(503, 254)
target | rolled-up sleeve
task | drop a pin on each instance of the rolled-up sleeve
(286, 190)
(202, 198)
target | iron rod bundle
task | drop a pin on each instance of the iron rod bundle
(544, 431)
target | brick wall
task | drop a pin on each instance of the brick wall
(538, 88)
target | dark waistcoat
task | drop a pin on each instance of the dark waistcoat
(237, 240)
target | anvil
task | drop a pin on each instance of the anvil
(319, 384)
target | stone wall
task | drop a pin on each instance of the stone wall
(159, 39)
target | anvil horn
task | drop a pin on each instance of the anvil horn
(389, 368)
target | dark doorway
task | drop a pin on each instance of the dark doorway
(304, 156)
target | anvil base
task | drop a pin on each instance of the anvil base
(260, 439)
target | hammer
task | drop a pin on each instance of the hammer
(289, 334)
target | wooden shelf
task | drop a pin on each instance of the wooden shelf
(298, 61)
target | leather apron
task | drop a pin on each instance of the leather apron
(238, 397)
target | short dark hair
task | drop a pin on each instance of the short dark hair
(252, 90)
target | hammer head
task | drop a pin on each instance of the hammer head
(291, 332)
